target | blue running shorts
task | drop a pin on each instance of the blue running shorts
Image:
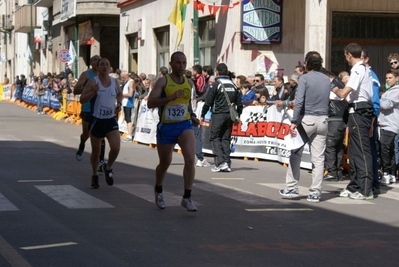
(167, 133)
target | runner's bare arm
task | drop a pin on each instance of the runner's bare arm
(91, 88)
(83, 78)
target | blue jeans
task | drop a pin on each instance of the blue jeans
(40, 103)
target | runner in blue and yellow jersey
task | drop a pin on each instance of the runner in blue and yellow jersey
(172, 95)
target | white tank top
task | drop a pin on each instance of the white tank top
(104, 102)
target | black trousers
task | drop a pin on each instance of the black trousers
(387, 140)
(359, 152)
(334, 153)
(220, 137)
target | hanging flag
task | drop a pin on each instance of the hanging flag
(178, 16)
(72, 53)
(28, 54)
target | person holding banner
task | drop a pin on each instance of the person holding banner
(103, 92)
(172, 95)
(309, 120)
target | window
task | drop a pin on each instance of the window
(133, 53)
(162, 39)
(365, 26)
(206, 35)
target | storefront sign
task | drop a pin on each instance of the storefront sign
(261, 21)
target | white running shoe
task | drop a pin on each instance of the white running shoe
(159, 201)
(202, 163)
(188, 204)
(385, 180)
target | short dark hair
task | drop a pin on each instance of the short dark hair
(245, 85)
(163, 70)
(301, 68)
(208, 69)
(394, 72)
(354, 49)
(198, 68)
(188, 74)
(262, 78)
(313, 53)
(280, 78)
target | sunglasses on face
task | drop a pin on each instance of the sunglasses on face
(394, 62)
(257, 81)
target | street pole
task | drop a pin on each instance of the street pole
(196, 44)
(31, 35)
(76, 47)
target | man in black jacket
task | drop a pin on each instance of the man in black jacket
(220, 132)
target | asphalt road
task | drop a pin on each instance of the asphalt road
(49, 215)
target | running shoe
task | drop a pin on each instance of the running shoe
(344, 193)
(159, 201)
(313, 197)
(386, 179)
(357, 195)
(188, 204)
(100, 165)
(79, 154)
(94, 182)
(222, 167)
(108, 175)
(289, 193)
(202, 163)
(127, 140)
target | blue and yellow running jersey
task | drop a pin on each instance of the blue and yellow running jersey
(176, 110)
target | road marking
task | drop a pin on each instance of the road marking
(72, 198)
(228, 178)
(146, 192)
(34, 181)
(282, 209)
(11, 255)
(6, 205)
(236, 194)
(327, 195)
(51, 140)
(55, 245)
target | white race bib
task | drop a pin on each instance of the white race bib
(175, 112)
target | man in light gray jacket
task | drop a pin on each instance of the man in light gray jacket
(389, 124)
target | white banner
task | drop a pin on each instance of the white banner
(146, 125)
(260, 134)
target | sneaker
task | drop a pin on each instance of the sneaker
(222, 167)
(313, 197)
(386, 179)
(127, 140)
(100, 165)
(357, 195)
(289, 193)
(188, 204)
(79, 154)
(227, 170)
(94, 182)
(376, 191)
(202, 163)
(108, 175)
(345, 193)
(392, 179)
(159, 201)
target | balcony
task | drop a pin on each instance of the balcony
(23, 19)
